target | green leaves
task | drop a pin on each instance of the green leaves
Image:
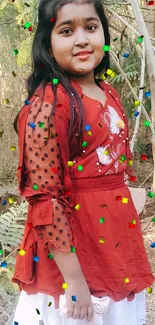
(24, 55)
(2, 5)
(19, 6)
(131, 75)
(12, 225)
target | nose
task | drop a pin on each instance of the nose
(81, 39)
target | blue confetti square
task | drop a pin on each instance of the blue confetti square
(74, 298)
(27, 102)
(36, 258)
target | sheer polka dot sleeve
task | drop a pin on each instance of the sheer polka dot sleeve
(49, 206)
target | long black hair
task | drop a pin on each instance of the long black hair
(45, 68)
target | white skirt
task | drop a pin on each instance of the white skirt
(39, 309)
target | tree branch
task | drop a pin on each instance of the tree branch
(7, 22)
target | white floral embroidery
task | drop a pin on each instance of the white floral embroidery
(114, 154)
(109, 172)
(111, 118)
(103, 158)
(119, 147)
(116, 165)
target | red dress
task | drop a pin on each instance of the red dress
(79, 203)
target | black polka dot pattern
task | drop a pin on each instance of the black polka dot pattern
(43, 161)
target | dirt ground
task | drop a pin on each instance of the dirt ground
(8, 299)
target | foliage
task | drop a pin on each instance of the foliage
(12, 226)
(26, 12)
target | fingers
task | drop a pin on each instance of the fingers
(90, 312)
(70, 311)
(77, 311)
(81, 313)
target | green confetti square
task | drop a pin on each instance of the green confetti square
(15, 52)
(73, 250)
(80, 168)
(85, 144)
(102, 220)
(106, 48)
(41, 125)
(27, 25)
(151, 194)
(140, 39)
(147, 123)
(55, 81)
(50, 256)
(123, 157)
(38, 312)
(35, 187)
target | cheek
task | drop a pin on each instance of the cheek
(99, 41)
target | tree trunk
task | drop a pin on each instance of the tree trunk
(148, 31)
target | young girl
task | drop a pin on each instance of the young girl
(82, 241)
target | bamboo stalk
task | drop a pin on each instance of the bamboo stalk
(151, 69)
(113, 56)
(141, 94)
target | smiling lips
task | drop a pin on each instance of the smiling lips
(83, 53)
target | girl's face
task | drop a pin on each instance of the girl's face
(78, 28)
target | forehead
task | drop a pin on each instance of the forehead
(76, 11)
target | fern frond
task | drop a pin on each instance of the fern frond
(12, 225)
(2, 5)
(24, 52)
(19, 6)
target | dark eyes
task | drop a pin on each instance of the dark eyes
(69, 29)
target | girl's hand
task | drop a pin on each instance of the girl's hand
(82, 307)
(126, 179)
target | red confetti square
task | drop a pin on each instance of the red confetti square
(30, 28)
(150, 3)
(30, 225)
(143, 157)
(118, 198)
(20, 168)
(131, 225)
(52, 20)
(54, 170)
(133, 178)
(68, 193)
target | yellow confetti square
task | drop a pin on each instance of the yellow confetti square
(133, 221)
(149, 290)
(70, 163)
(109, 72)
(106, 152)
(78, 206)
(6, 101)
(125, 200)
(13, 148)
(126, 280)
(64, 285)
(89, 133)
(137, 103)
(22, 252)
(130, 162)
(11, 200)
(102, 76)
(113, 74)
(102, 240)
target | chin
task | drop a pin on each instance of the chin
(81, 72)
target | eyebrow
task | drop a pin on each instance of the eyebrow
(69, 22)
